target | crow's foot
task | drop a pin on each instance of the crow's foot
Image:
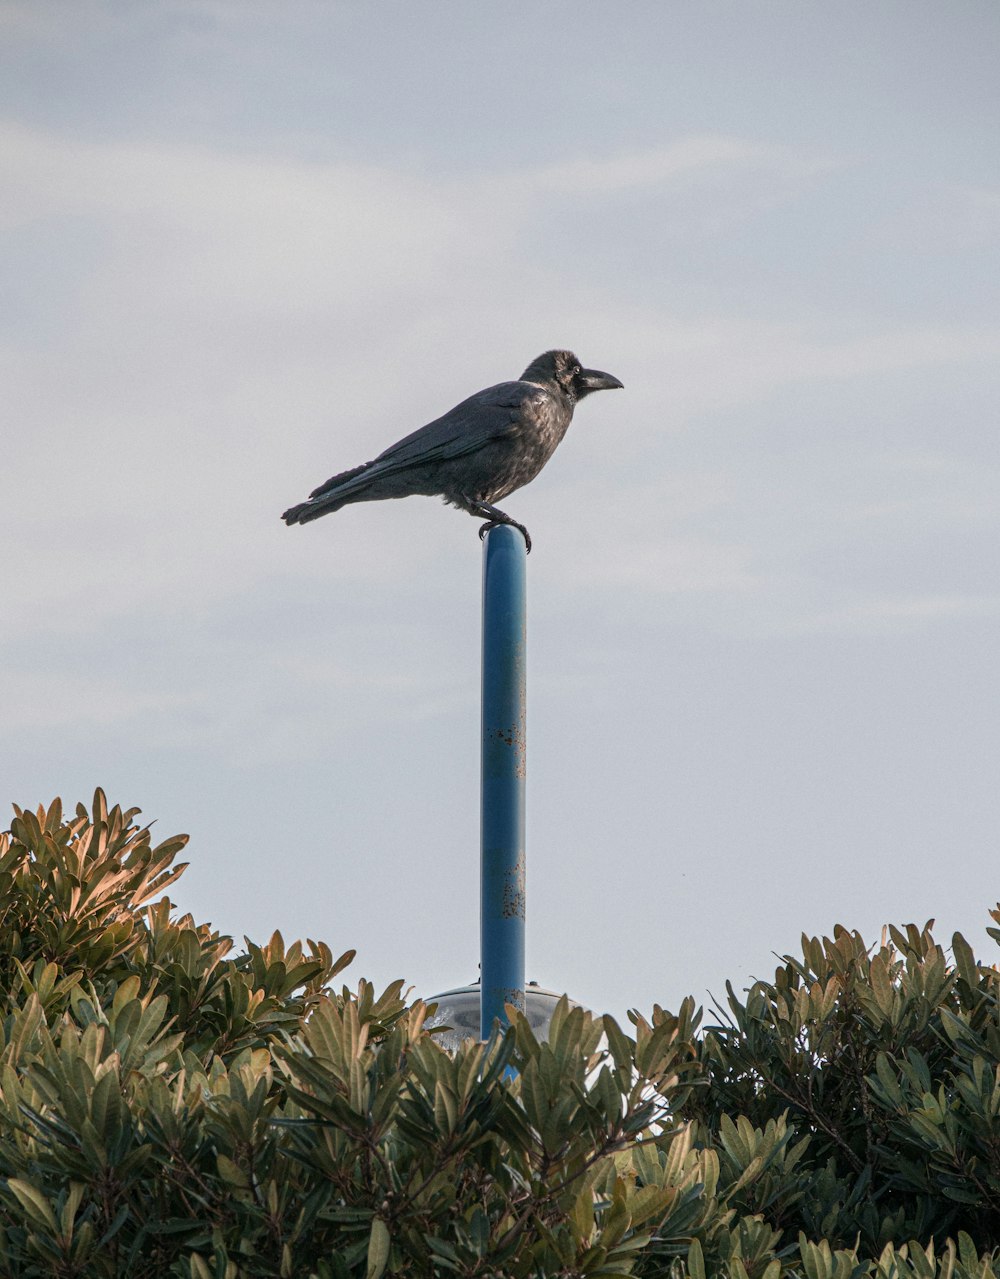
(485, 528)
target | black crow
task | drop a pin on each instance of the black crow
(494, 442)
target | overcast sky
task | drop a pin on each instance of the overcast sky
(248, 243)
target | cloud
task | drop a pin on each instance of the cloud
(685, 159)
(45, 699)
(235, 327)
(188, 224)
(719, 361)
(892, 612)
(942, 217)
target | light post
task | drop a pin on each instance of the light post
(502, 886)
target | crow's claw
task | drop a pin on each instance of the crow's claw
(485, 528)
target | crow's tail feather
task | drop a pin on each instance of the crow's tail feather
(306, 511)
(330, 496)
(335, 481)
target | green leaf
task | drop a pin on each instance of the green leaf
(965, 961)
(696, 1260)
(881, 984)
(199, 1267)
(378, 1249)
(34, 1203)
(231, 1172)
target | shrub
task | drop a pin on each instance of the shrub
(170, 1108)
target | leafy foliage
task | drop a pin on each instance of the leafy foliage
(890, 1063)
(170, 1108)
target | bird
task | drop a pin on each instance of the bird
(477, 453)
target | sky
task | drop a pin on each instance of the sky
(245, 244)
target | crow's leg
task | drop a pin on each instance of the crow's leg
(494, 517)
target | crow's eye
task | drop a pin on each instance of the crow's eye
(576, 371)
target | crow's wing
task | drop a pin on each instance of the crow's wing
(488, 415)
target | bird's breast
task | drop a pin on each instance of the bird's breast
(514, 460)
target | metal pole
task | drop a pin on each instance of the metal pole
(502, 899)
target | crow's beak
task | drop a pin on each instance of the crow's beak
(594, 380)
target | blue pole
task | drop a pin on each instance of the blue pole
(503, 774)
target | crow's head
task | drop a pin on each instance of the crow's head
(564, 369)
